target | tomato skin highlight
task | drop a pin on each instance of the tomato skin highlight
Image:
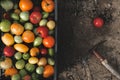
(98, 22)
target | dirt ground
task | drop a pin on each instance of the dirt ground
(77, 35)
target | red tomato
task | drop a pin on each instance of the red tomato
(9, 51)
(35, 17)
(43, 51)
(98, 22)
(43, 31)
(49, 42)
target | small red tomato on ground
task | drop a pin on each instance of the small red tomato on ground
(43, 51)
(43, 31)
(35, 17)
(49, 42)
(9, 51)
(98, 22)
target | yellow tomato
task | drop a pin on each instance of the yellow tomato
(7, 39)
(34, 51)
(21, 48)
(33, 60)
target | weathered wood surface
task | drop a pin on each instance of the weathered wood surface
(77, 35)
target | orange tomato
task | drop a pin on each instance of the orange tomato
(10, 71)
(17, 28)
(48, 71)
(7, 39)
(48, 5)
(25, 5)
(34, 51)
(21, 48)
(28, 36)
(49, 42)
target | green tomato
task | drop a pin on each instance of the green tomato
(26, 56)
(30, 67)
(51, 51)
(5, 25)
(35, 76)
(18, 39)
(45, 15)
(24, 15)
(16, 77)
(18, 55)
(43, 22)
(51, 61)
(22, 72)
(28, 26)
(39, 70)
(6, 4)
(37, 41)
(20, 64)
(15, 16)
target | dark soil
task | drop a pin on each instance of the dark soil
(77, 35)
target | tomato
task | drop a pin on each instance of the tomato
(28, 36)
(39, 70)
(25, 5)
(30, 67)
(26, 56)
(16, 77)
(10, 71)
(49, 42)
(43, 31)
(43, 51)
(7, 39)
(20, 64)
(35, 17)
(17, 28)
(22, 72)
(15, 16)
(5, 25)
(51, 51)
(51, 61)
(18, 39)
(48, 5)
(28, 26)
(34, 51)
(9, 51)
(24, 15)
(51, 24)
(42, 61)
(33, 60)
(98, 22)
(18, 55)
(27, 77)
(43, 22)
(37, 41)
(6, 64)
(48, 71)
(21, 48)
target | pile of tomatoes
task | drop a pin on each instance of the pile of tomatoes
(28, 38)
